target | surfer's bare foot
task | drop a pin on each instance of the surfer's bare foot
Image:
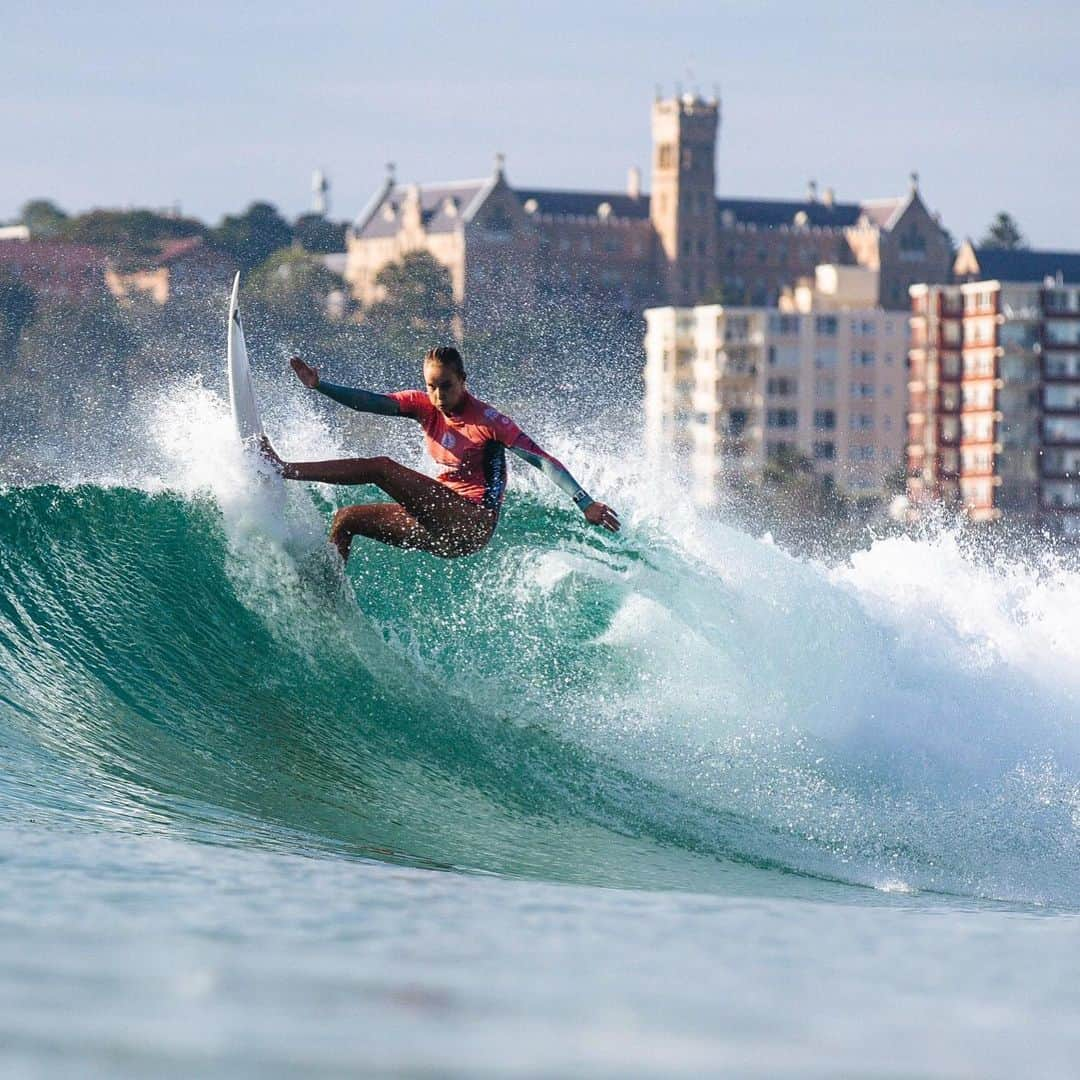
(270, 454)
(308, 375)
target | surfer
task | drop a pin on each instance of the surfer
(456, 513)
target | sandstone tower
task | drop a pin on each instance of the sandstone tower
(683, 200)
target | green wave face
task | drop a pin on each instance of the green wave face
(568, 706)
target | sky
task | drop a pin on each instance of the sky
(212, 106)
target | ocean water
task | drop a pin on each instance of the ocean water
(669, 803)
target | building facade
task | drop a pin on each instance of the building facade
(679, 244)
(994, 414)
(820, 376)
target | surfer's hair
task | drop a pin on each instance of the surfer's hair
(449, 357)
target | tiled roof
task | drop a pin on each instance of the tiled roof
(584, 203)
(771, 213)
(1002, 264)
(434, 207)
(172, 250)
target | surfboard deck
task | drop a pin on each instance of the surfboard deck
(245, 410)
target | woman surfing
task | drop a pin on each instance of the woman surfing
(456, 513)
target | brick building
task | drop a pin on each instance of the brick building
(994, 390)
(679, 244)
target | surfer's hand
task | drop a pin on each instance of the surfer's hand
(308, 375)
(596, 513)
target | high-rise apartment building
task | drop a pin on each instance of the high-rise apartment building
(994, 416)
(820, 376)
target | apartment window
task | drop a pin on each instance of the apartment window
(1063, 332)
(782, 418)
(861, 453)
(1062, 397)
(825, 358)
(1057, 300)
(1062, 365)
(780, 386)
(824, 451)
(825, 419)
(783, 356)
(862, 391)
(825, 386)
(686, 247)
(826, 325)
(862, 421)
(783, 324)
(866, 359)
(979, 365)
(737, 328)
(1061, 429)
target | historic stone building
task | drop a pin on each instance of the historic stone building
(679, 244)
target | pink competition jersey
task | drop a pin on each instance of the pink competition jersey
(470, 444)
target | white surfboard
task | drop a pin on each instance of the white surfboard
(241, 393)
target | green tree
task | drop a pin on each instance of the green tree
(315, 233)
(292, 286)
(131, 237)
(1004, 233)
(43, 218)
(253, 236)
(418, 304)
(17, 306)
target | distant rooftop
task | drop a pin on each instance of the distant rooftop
(444, 206)
(1021, 264)
(584, 203)
(441, 205)
(772, 213)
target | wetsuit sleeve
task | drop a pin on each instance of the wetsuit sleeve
(554, 470)
(361, 400)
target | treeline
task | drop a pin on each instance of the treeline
(134, 238)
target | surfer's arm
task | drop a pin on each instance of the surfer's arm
(360, 400)
(596, 513)
(553, 469)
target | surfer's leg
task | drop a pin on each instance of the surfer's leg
(454, 524)
(388, 523)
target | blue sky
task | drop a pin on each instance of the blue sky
(213, 105)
